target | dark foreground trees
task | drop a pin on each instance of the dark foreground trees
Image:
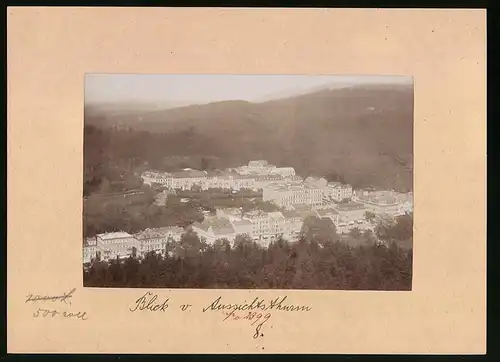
(306, 264)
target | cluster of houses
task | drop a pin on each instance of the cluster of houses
(296, 198)
(120, 244)
(255, 175)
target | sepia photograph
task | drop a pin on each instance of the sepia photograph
(248, 181)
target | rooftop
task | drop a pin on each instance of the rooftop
(302, 207)
(216, 222)
(334, 184)
(275, 214)
(256, 214)
(148, 234)
(199, 225)
(229, 211)
(258, 163)
(119, 247)
(269, 177)
(244, 177)
(295, 178)
(291, 214)
(350, 206)
(326, 212)
(315, 179)
(381, 197)
(189, 173)
(114, 235)
(338, 185)
(169, 229)
(242, 222)
(220, 230)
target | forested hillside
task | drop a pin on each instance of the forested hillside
(362, 134)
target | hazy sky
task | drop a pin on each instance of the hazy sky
(103, 88)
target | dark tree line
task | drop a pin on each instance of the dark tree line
(317, 261)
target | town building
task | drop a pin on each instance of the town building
(288, 195)
(293, 180)
(170, 233)
(266, 227)
(318, 182)
(262, 227)
(214, 228)
(351, 216)
(150, 241)
(293, 225)
(283, 171)
(89, 250)
(187, 178)
(331, 214)
(338, 192)
(156, 177)
(386, 202)
(243, 182)
(228, 180)
(116, 245)
(232, 214)
(263, 168)
(242, 227)
(256, 175)
(258, 164)
(259, 167)
(261, 182)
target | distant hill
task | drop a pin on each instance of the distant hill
(301, 91)
(362, 133)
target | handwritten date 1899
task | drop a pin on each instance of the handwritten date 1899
(251, 316)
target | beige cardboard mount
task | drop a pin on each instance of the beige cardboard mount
(50, 50)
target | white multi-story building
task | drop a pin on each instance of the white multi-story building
(338, 192)
(258, 164)
(242, 227)
(386, 202)
(293, 225)
(228, 180)
(214, 228)
(232, 214)
(405, 203)
(116, 244)
(261, 182)
(318, 182)
(293, 180)
(259, 167)
(150, 241)
(276, 224)
(351, 216)
(262, 227)
(256, 175)
(331, 214)
(170, 233)
(263, 168)
(188, 178)
(156, 177)
(243, 182)
(111, 245)
(283, 171)
(288, 195)
(266, 227)
(89, 250)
